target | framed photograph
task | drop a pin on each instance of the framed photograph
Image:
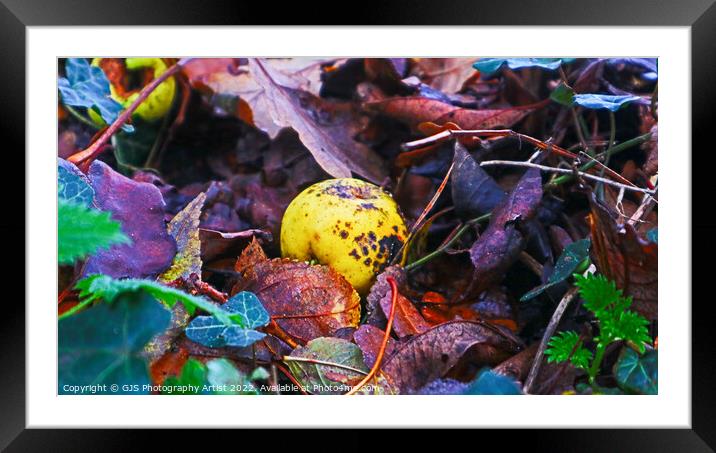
(430, 220)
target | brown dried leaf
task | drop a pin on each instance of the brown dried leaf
(325, 129)
(621, 255)
(431, 355)
(408, 320)
(306, 301)
(414, 110)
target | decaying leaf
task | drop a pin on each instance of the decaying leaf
(431, 355)
(621, 255)
(140, 209)
(323, 129)
(414, 110)
(474, 192)
(184, 228)
(322, 379)
(306, 301)
(408, 320)
(369, 339)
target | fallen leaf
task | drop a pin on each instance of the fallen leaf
(474, 192)
(638, 374)
(217, 244)
(492, 254)
(431, 355)
(445, 74)
(140, 209)
(408, 320)
(566, 264)
(325, 379)
(306, 301)
(414, 110)
(621, 255)
(323, 128)
(184, 228)
(369, 339)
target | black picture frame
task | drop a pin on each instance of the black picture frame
(700, 15)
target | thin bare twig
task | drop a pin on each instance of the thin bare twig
(551, 327)
(566, 171)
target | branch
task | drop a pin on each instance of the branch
(92, 151)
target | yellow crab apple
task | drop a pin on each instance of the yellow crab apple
(117, 70)
(350, 225)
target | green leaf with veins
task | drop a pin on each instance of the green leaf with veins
(104, 344)
(637, 374)
(73, 185)
(99, 286)
(81, 231)
(209, 331)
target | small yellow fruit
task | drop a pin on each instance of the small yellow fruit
(351, 225)
(157, 103)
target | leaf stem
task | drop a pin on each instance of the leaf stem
(83, 119)
(597, 362)
(75, 309)
(91, 152)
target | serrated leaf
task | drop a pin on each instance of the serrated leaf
(598, 293)
(87, 86)
(490, 383)
(82, 231)
(628, 326)
(638, 374)
(327, 379)
(73, 185)
(568, 261)
(566, 346)
(604, 101)
(104, 287)
(184, 228)
(489, 66)
(104, 344)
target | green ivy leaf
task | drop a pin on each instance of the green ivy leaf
(565, 346)
(103, 345)
(637, 374)
(489, 66)
(488, 382)
(604, 101)
(99, 286)
(211, 332)
(73, 185)
(82, 231)
(566, 264)
(87, 86)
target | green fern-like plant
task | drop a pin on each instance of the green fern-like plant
(616, 323)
